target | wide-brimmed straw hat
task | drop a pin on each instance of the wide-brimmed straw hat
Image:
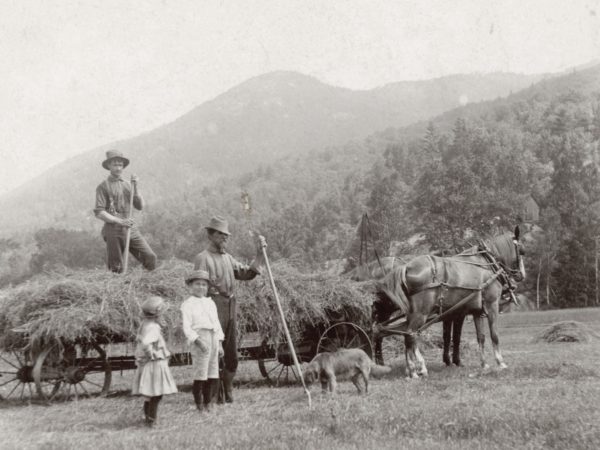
(197, 275)
(153, 306)
(114, 154)
(219, 224)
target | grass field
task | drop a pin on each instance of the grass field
(547, 398)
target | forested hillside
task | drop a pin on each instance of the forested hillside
(464, 174)
(266, 118)
(472, 169)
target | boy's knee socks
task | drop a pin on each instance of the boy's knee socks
(197, 389)
(208, 391)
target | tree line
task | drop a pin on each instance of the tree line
(448, 186)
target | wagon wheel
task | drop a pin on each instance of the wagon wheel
(16, 375)
(76, 371)
(278, 373)
(344, 335)
(277, 367)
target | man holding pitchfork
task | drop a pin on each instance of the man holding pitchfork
(114, 202)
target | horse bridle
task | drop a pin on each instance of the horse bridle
(518, 252)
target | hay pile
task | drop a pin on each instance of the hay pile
(309, 301)
(99, 305)
(567, 331)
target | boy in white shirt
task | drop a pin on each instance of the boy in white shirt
(203, 331)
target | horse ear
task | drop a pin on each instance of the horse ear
(517, 232)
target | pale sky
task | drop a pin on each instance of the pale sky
(78, 74)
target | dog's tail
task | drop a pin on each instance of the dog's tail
(378, 371)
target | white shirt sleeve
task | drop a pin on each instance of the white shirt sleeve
(186, 316)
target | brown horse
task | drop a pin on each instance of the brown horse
(462, 284)
(384, 306)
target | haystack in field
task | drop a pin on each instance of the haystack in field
(567, 331)
(97, 305)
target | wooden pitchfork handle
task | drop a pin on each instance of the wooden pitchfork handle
(128, 234)
(263, 245)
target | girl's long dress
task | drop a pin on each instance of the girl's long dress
(153, 376)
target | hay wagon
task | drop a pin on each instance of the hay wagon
(72, 370)
(64, 338)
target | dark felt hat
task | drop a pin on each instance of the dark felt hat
(113, 154)
(197, 275)
(219, 224)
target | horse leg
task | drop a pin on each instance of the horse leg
(415, 363)
(478, 321)
(456, 334)
(447, 330)
(492, 317)
(379, 351)
(422, 371)
(409, 353)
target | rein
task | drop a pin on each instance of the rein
(438, 317)
(499, 273)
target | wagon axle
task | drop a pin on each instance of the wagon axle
(25, 374)
(73, 375)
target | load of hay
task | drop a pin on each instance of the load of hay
(567, 331)
(96, 305)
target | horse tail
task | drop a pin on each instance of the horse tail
(378, 371)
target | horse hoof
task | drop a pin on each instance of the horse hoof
(503, 366)
(485, 366)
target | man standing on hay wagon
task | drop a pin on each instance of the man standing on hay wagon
(223, 270)
(113, 207)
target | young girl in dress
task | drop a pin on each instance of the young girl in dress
(203, 331)
(153, 378)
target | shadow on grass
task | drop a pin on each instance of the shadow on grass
(564, 370)
(17, 403)
(37, 401)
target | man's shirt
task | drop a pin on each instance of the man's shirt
(119, 191)
(223, 270)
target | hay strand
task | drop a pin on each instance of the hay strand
(96, 305)
(566, 331)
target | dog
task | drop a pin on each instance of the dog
(351, 363)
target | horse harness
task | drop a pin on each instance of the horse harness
(499, 273)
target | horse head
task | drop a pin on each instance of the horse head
(509, 251)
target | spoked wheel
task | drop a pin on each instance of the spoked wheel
(16, 376)
(72, 372)
(277, 365)
(344, 335)
(278, 373)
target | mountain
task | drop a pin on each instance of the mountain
(540, 144)
(265, 118)
(582, 81)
